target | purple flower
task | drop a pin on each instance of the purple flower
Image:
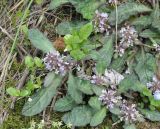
(55, 62)
(154, 86)
(109, 98)
(113, 77)
(130, 113)
(99, 80)
(127, 36)
(100, 22)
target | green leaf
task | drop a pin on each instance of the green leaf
(131, 83)
(67, 27)
(40, 41)
(49, 79)
(25, 92)
(79, 116)
(98, 89)
(56, 3)
(77, 54)
(64, 104)
(29, 62)
(85, 87)
(115, 110)
(88, 7)
(13, 91)
(119, 63)
(151, 115)
(142, 21)
(131, 126)
(95, 103)
(73, 83)
(85, 31)
(156, 17)
(104, 55)
(126, 10)
(146, 67)
(98, 117)
(42, 98)
(149, 34)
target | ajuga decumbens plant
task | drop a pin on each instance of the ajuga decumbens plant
(102, 77)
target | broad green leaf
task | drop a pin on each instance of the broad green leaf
(40, 41)
(105, 55)
(85, 87)
(151, 115)
(42, 98)
(142, 21)
(56, 3)
(24, 92)
(88, 7)
(156, 17)
(64, 104)
(153, 102)
(146, 67)
(115, 110)
(119, 63)
(130, 126)
(98, 117)
(77, 54)
(13, 91)
(95, 103)
(97, 89)
(131, 83)
(85, 31)
(49, 79)
(67, 27)
(73, 91)
(149, 34)
(79, 116)
(29, 62)
(125, 10)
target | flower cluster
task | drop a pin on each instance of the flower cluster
(112, 2)
(113, 77)
(129, 112)
(100, 22)
(154, 86)
(109, 98)
(127, 36)
(55, 62)
(157, 47)
(99, 80)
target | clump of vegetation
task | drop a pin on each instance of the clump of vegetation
(105, 66)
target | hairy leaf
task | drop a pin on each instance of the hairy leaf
(142, 21)
(64, 104)
(129, 126)
(56, 3)
(87, 8)
(131, 83)
(145, 68)
(98, 89)
(40, 41)
(85, 31)
(149, 34)
(98, 117)
(95, 103)
(103, 56)
(126, 10)
(42, 98)
(85, 87)
(67, 27)
(73, 83)
(79, 116)
(151, 115)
